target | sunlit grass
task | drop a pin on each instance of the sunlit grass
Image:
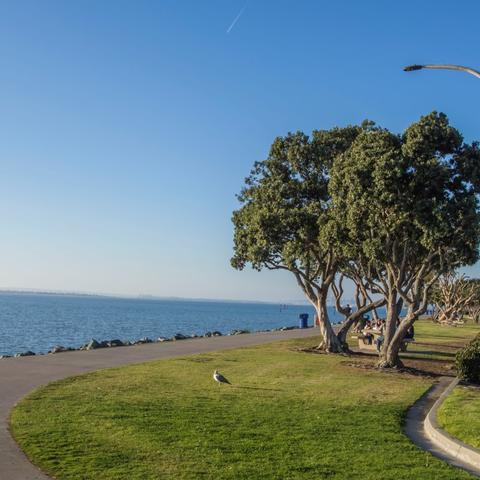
(288, 415)
(459, 414)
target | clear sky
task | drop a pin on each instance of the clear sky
(127, 127)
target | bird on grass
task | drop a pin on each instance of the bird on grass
(218, 377)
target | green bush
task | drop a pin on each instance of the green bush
(467, 361)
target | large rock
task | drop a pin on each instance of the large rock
(92, 345)
(28, 353)
(179, 336)
(216, 333)
(143, 340)
(163, 339)
(115, 343)
(239, 332)
(5, 356)
(58, 349)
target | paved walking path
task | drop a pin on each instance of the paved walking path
(414, 426)
(18, 376)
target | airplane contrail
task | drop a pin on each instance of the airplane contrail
(235, 20)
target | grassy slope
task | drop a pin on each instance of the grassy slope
(288, 415)
(460, 415)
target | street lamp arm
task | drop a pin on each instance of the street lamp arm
(411, 68)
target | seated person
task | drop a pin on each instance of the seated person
(377, 325)
(367, 336)
(379, 341)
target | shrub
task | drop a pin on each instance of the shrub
(467, 361)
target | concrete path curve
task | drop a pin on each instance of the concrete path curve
(18, 376)
(415, 426)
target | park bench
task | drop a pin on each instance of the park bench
(364, 345)
(363, 342)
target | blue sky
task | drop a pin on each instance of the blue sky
(127, 128)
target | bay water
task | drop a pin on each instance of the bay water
(37, 322)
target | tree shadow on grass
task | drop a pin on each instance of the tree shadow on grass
(427, 352)
(416, 362)
(455, 346)
(405, 370)
(245, 387)
(412, 356)
(413, 365)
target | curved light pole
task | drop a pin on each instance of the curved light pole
(412, 68)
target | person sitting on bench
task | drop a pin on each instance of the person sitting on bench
(367, 336)
(379, 341)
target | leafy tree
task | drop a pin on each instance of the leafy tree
(404, 210)
(284, 207)
(467, 361)
(454, 296)
(473, 307)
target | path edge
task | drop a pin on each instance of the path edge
(443, 440)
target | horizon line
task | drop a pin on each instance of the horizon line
(39, 291)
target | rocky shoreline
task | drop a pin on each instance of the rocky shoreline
(94, 344)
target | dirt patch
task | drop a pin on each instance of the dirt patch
(411, 366)
(438, 346)
(423, 367)
(405, 370)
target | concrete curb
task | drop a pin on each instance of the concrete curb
(454, 447)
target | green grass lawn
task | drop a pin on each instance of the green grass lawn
(288, 415)
(460, 414)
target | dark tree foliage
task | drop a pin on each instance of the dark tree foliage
(284, 207)
(391, 212)
(404, 209)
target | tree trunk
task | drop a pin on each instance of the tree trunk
(330, 343)
(343, 332)
(359, 325)
(386, 358)
(392, 354)
(390, 357)
(393, 350)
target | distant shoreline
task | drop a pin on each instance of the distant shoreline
(142, 297)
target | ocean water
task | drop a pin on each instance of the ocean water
(38, 322)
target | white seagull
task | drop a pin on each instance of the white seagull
(218, 377)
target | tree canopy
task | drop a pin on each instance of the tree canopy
(402, 207)
(285, 205)
(391, 212)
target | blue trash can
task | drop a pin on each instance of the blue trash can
(303, 320)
